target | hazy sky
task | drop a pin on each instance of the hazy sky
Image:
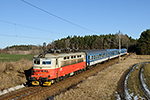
(23, 24)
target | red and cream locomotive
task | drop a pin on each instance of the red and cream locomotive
(52, 66)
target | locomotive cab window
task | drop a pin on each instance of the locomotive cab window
(46, 61)
(37, 61)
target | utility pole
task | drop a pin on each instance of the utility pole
(119, 46)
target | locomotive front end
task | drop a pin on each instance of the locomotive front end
(42, 71)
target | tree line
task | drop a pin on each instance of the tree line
(110, 41)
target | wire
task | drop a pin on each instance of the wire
(29, 27)
(58, 17)
(17, 36)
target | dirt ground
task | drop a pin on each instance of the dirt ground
(104, 84)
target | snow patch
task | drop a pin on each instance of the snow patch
(138, 97)
(118, 96)
(127, 95)
(11, 89)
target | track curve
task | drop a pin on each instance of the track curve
(133, 83)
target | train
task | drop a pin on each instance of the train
(49, 68)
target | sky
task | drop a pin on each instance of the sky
(23, 24)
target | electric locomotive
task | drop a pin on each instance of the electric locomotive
(50, 67)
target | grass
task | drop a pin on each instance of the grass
(14, 57)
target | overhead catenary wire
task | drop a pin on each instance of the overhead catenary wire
(18, 36)
(29, 27)
(58, 17)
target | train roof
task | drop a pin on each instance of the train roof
(56, 55)
(95, 51)
(111, 49)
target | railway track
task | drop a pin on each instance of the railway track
(40, 93)
(134, 85)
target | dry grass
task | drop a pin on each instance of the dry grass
(143, 56)
(146, 73)
(134, 85)
(12, 73)
(101, 86)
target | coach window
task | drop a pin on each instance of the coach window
(96, 56)
(64, 58)
(92, 57)
(100, 56)
(106, 54)
(89, 57)
(103, 55)
(78, 56)
(110, 54)
(74, 56)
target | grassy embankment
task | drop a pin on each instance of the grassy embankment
(134, 84)
(146, 72)
(13, 69)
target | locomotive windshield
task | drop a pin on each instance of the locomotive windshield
(46, 61)
(37, 61)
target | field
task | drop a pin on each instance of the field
(104, 85)
(14, 57)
